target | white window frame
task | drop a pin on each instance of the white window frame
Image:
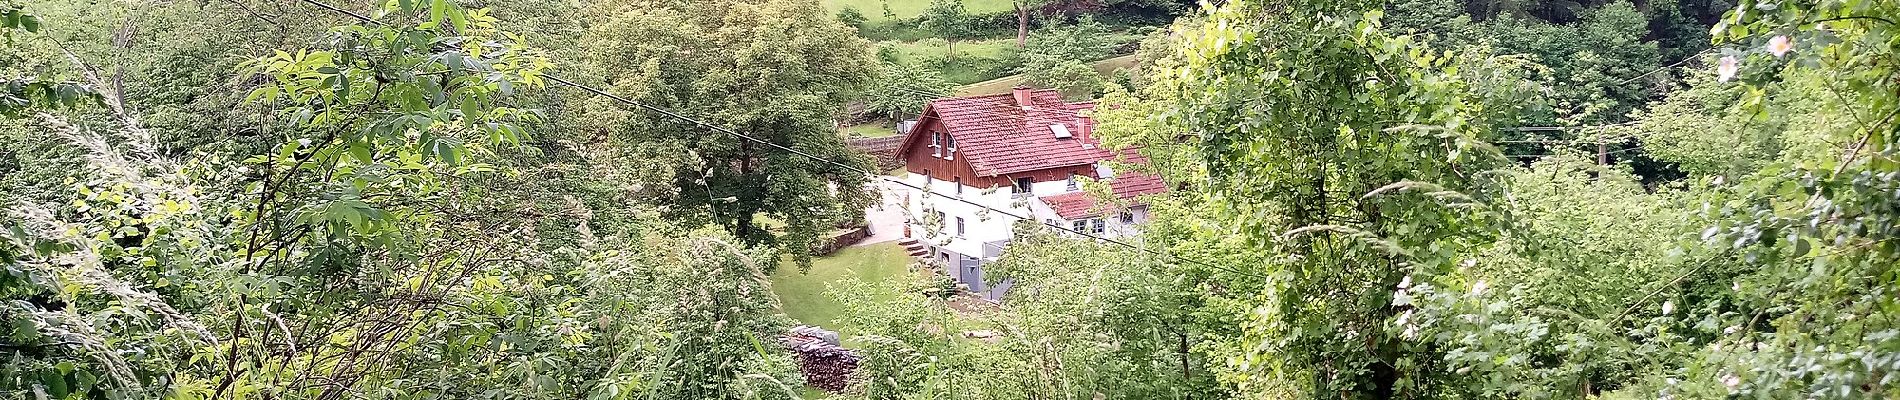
(958, 180)
(960, 229)
(936, 144)
(950, 147)
(1098, 226)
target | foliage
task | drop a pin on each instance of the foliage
(1075, 79)
(948, 19)
(903, 88)
(1058, 58)
(379, 230)
(778, 71)
(851, 17)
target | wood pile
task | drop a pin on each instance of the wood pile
(825, 364)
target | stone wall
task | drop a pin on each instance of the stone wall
(841, 239)
(884, 149)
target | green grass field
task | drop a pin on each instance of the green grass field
(803, 295)
(874, 9)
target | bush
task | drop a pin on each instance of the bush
(1075, 79)
(851, 16)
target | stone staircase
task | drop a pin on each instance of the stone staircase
(915, 248)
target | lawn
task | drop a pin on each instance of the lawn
(874, 9)
(874, 128)
(803, 295)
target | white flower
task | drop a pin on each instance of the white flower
(1470, 263)
(1477, 289)
(1405, 318)
(1669, 306)
(1737, 286)
(1780, 45)
(1411, 332)
(1727, 68)
(1731, 381)
(1731, 330)
(1405, 283)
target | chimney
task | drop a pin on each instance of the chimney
(1022, 96)
(1087, 124)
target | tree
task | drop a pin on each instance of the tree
(777, 71)
(1319, 138)
(851, 17)
(1075, 79)
(903, 88)
(948, 20)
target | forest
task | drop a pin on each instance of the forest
(643, 199)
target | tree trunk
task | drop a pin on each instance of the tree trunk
(1022, 26)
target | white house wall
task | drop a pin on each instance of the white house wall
(980, 227)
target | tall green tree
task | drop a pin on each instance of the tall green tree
(949, 20)
(777, 70)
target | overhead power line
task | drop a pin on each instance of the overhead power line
(674, 115)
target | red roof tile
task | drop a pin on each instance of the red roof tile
(1127, 186)
(1000, 137)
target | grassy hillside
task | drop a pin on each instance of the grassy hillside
(999, 85)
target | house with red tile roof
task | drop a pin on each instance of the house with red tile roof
(1027, 152)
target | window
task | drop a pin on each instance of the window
(959, 226)
(1072, 183)
(1049, 222)
(1128, 217)
(927, 180)
(1099, 225)
(1023, 183)
(1081, 226)
(940, 218)
(951, 144)
(959, 181)
(936, 145)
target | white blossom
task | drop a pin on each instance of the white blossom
(1477, 289)
(1731, 381)
(1669, 306)
(1727, 68)
(1780, 45)
(1405, 283)
(1731, 329)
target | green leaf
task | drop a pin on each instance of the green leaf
(55, 383)
(30, 23)
(360, 150)
(437, 9)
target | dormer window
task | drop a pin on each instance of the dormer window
(1062, 132)
(1072, 183)
(936, 144)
